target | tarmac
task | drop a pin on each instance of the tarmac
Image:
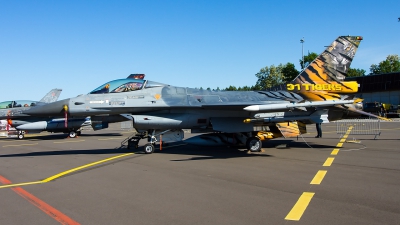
(336, 179)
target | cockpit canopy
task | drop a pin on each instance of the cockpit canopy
(17, 103)
(124, 85)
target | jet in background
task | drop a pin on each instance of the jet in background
(8, 109)
(12, 114)
(318, 94)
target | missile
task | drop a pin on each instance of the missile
(279, 119)
(282, 106)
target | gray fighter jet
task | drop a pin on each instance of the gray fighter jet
(15, 109)
(14, 113)
(318, 94)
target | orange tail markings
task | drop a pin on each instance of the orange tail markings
(324, 76)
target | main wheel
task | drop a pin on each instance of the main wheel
(72, 134)
(253, 144)
(148, 148)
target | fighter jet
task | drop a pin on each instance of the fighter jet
(8, 109)
(318, 94)
(14, 114)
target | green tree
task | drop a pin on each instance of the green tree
(245, 88)
(390, 65)
(355, 72)
(231, 88)
(308, 59)
(289, 72)
(269, 77)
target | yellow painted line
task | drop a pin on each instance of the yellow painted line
(335, 151)
(84, 166)
(21, 184)
(343, 140)
(349, 130)
(19, 145)
(339, 144)
(301, 205)
(60, 142)
(319, 177)
(104, 139)
(329, 161)
(65, 172)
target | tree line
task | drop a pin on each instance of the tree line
(271, 76)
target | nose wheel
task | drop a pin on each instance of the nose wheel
(148, 148)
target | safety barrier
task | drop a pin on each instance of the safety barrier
(359, 127)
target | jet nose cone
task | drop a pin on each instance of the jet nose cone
(51, 109)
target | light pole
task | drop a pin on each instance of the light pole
(302, 53)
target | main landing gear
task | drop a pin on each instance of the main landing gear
(253, 144)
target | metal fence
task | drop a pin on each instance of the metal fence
(359, 127)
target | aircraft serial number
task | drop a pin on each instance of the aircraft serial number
(314, 87)
(117, 103)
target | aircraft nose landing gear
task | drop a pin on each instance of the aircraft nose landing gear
(148, 148)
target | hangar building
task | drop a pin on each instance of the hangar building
(383, 88)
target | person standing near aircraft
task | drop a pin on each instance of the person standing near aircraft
(319, 130)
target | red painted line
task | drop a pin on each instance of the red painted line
(48, 209)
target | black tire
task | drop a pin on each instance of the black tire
(72, 134)
(20, 136)
(78, 133)
(148, 148)
(254, 144)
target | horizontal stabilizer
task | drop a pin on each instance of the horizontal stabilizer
(364, 113)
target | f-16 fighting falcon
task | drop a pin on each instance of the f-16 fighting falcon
(14, 113)
(15, 109)
(318, 94)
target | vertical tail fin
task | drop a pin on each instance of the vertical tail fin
(323, 78)
(332, 64)
(52, 96)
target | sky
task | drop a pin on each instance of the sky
(80, 45)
